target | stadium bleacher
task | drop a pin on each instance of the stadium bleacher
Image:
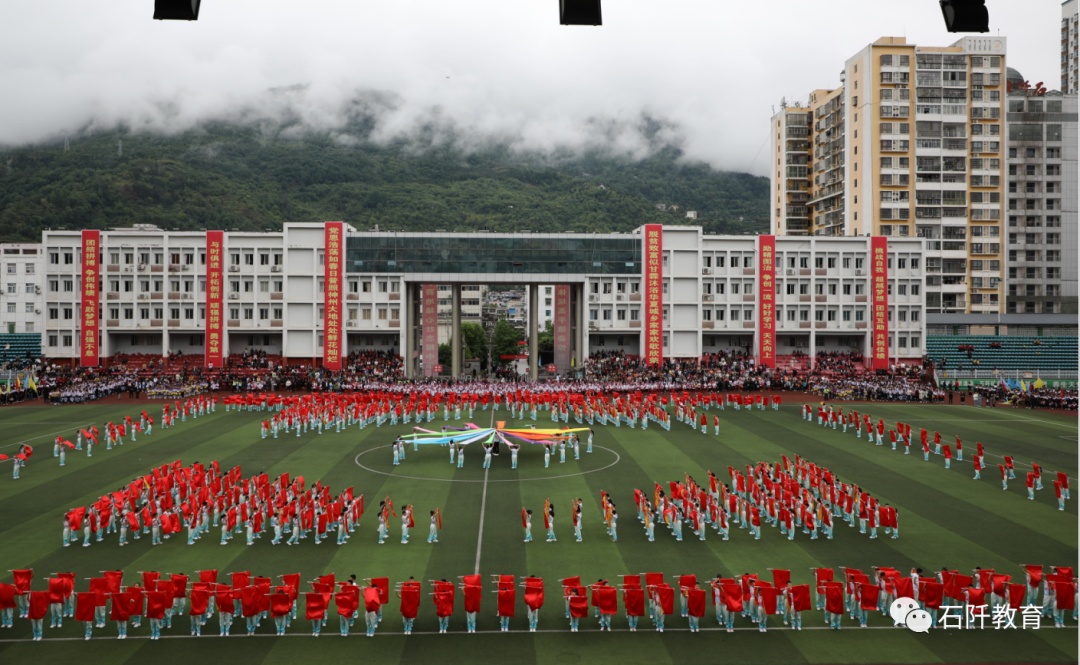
(1004, 352)
(19, 346)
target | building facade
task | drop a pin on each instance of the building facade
(21, 297)
(1042, 237)
(156, 292)
(911, 145)
(1070, 54)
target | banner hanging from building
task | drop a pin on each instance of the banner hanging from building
(91, 301)
(429, 327)
(654, 294)
(767, 312)
(879, 285)
(562, 328)
(333, 285)
(215, 310)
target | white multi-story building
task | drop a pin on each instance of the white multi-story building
(712, 290)
(1070, 53)
(22, 265)
(153, 288)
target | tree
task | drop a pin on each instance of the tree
(476, 342)
(445, 352)
(545, 344)
(505, 341)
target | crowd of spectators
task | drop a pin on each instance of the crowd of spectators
(832, 375)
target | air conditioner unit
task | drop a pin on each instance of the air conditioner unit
(790, 271)
(234, 268)
(129, 268)
(860, 273)
(592, 298)
(37, 290)
(620, 297)
(275, 268)
(186, 267)
(142, 266)
(186, 296)
(706, 271)
(143, 296)
(800, 343)
(37, 311)
(234, 296)
(351, 324)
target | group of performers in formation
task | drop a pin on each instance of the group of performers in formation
(114, 433)
(828, 416)
(174, 498)
(975, 600)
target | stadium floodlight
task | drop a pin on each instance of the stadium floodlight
(579, 12)
(965, 15)
(176, 10)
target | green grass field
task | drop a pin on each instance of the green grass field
(946, 519)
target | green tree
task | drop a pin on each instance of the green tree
(476, 342)
(545, 344)
(445, 357)
(505, 341)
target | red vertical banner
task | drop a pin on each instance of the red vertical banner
(562, 328)
(879, 284)
(333, 284)
(767, 269)
(654, 294)
(91, 301)
(429, 327)
(215, 308)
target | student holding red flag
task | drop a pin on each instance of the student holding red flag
(347, 601)
(224, 600)
(634, 603)
(507, 600)
(695, 604)
(315, 610)
(796, 601)
(409, 593)
(534, 600)
(579, 607)
(443, 597)
(834, 603)
(471, 592)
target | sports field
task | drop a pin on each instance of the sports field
(945, 519)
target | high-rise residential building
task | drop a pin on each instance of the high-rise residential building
(909, 145)
(1041, 242)
(1070, 57)
(789, 141)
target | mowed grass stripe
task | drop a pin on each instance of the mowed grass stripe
(42, 509)
(44, 468)
(986, 496)
(1024, 439)
(1039, 527)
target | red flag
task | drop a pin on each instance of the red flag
(22, 579)
(634, 602)
(315, 605)
(410, 600)
(347, 603)
(507, 600)
(472, 597)
(695, 603)
(781, 577)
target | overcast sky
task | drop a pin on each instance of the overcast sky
(713, 68)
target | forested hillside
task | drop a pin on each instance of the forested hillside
(248, 178)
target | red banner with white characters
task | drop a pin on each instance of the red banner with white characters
(91, 301)
(562, 327)
(879, 287)
(654, 294)
(215, 290)
(333, 284)
(767, 311)
(429, 327)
